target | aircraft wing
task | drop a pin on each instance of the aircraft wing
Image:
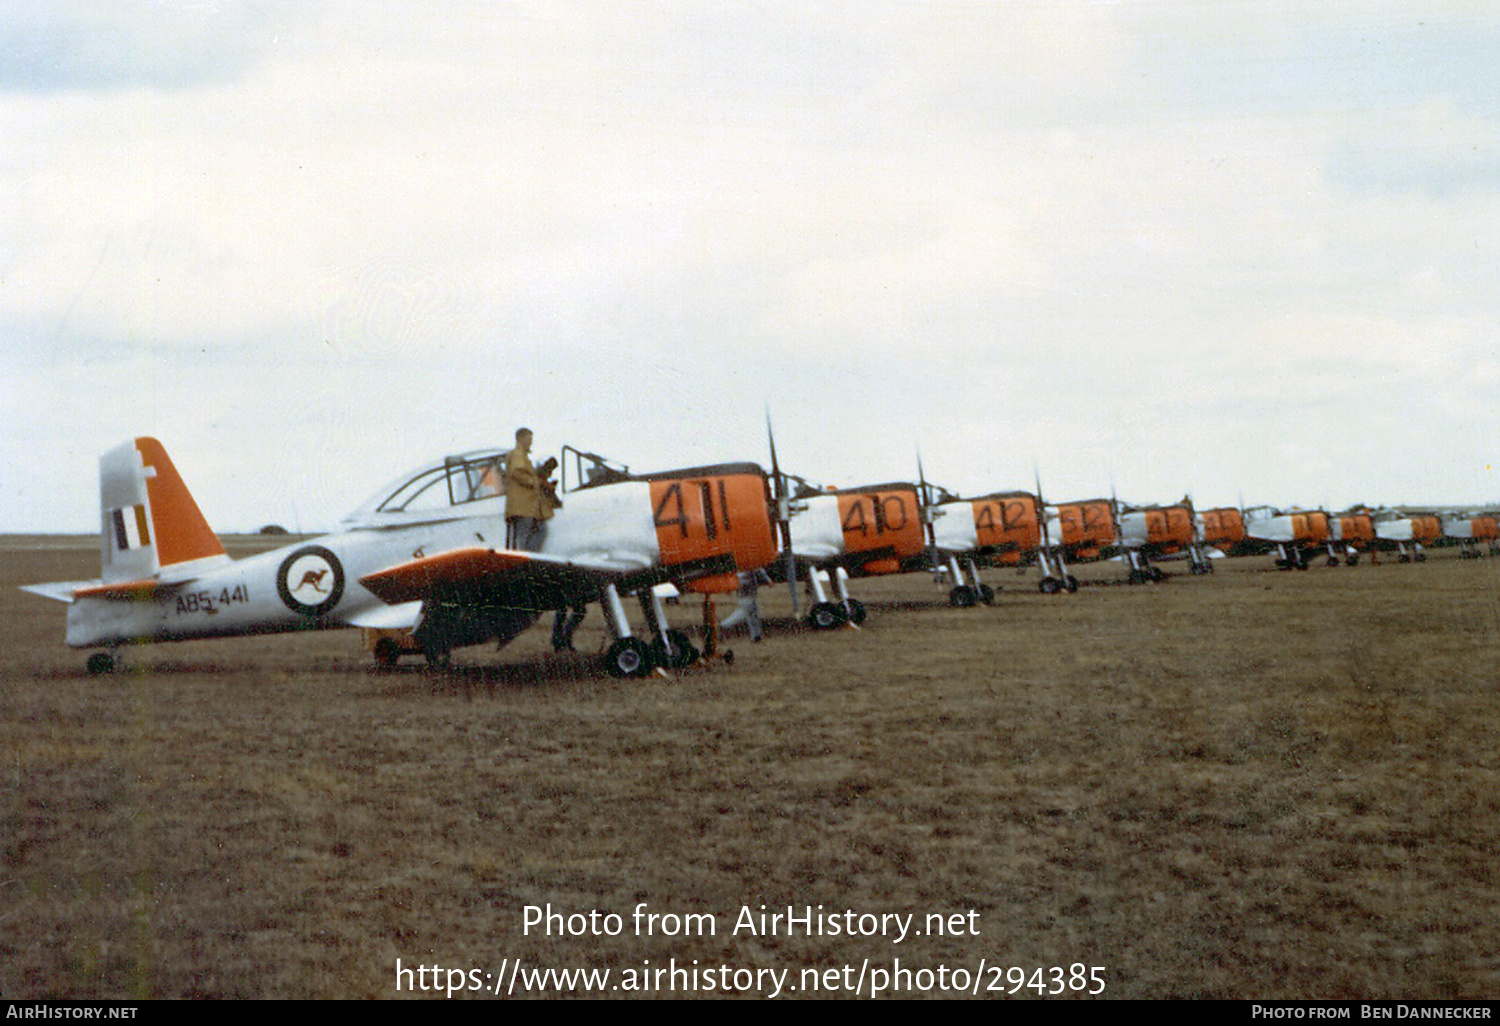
(405, 615)
(502, 577)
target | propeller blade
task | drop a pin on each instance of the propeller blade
(924, 496)
(783, 518)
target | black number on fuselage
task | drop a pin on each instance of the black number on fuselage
(671, 498)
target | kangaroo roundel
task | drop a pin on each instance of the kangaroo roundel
(310, 581)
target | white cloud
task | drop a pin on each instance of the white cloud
(1033, 232)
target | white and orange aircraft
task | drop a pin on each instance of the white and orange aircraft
(836, 533)
(845, 532)
(1150, 533)
(425, 554)
(1350, 535)
(1469, 529)
(1407, 533)
(1295, 535)
(1001, 528)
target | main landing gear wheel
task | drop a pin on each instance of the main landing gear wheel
(825, 616)
(962, 597)
(683, 652)
(628, 657)
(387, 652)
(101, 662)
(987, 594)
(856, 611)
(1050, 585)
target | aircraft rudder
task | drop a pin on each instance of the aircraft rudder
(149, 519)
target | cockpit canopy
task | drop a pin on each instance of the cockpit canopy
(435, 489)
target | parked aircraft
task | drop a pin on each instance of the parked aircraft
(835, 533)
(1295, 535)
(424, 554)
(842, 533)
(1150, 533)
(1004, 528)
(1350, 534)
(1469, 529)
(1407, 534)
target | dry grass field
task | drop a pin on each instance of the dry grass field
(1257, 784)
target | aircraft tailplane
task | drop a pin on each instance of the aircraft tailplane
(149, 520)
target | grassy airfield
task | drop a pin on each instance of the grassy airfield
(1257, 784)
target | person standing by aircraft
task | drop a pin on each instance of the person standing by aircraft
(748, 611)
(526, 509)
(530, 501)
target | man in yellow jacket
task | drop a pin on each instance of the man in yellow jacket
(527, 509)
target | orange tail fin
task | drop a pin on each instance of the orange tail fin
(149, 520)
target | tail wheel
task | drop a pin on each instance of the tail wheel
(101, 662)
(825, 616)
(962, 597)
(628, 657)
(683, 653)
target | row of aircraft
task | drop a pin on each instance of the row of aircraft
(423, 568)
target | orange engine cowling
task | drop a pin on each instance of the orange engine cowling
(882, 519)
(1223, 527)
(1426, 529)
(1310, 527)
(1008, 523)
(1356, 530)
(713, 512)
(1087, 527)
(1486, 528)
(1169, 528)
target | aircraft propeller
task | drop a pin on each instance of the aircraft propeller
(925, 497)
(783, 517)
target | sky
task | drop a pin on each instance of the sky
(1247, 251)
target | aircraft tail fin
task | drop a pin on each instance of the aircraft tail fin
(149, 520)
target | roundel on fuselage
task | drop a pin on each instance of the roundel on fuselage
(310, 581)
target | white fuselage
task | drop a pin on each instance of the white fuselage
(817, 528)
(315, 584)
(953, 527)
